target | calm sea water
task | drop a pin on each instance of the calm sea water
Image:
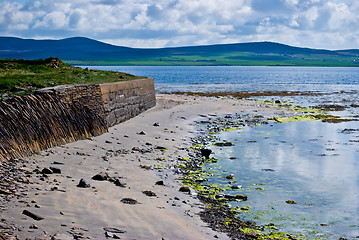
(315, 164)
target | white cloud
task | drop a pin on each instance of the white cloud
(156, 23)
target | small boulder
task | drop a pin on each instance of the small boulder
(185, 189)
(55, 170)
(100, 176)
(156, 124)
(47, 171)
(160, 183)
(206, 152)
(83, 183)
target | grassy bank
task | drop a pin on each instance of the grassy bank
(25, 76)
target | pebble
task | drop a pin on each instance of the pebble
(83, 183)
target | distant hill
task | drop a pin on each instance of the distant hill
(85, 51)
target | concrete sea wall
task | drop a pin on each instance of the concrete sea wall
(54, 116)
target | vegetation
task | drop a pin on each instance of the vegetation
(84, 51)
(25, 76)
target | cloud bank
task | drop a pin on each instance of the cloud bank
(330, 24)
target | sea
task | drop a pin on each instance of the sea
(302, 176)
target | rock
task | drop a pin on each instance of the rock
(156, 124)
(229, 177)
(32, 215)
(268, 170)
(100, 176)
(160, 183)
(83, 183)
(129, 201)
(118, 183)
(149, 193)
(236, 186)
(141, 133)
(109, 142)
(223, 144)
(113, 230)
(5, 192)
(33, 226)
(291, 202)
(55, 170)
(206, 152)
(58, 163)
(185, 189)
(241, 197)
(47, 171)
(160, 148)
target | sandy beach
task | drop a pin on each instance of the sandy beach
(130, 202)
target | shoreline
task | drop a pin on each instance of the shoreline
(127, 154)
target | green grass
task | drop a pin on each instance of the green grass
(25, 76)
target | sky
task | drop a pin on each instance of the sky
(323, 24)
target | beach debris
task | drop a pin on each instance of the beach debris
(223, 144)
(160, 183)
(130, 201)
(83, 183)
(55, 170)
(32, 215)
(206, 152)
(291, 202)
(149, 193)
(185, 189)
(156, 124)
(47, 171)
(102, 176)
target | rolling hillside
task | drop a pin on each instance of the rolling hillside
(79, 50)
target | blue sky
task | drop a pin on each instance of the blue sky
(329, 24)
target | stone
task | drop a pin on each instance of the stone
(32, 215)
(156, 124)
(149, 193)
(5, 192)
(83, 183)
(160, 148)
(241, 197)
(141, 133)
(33, 226)
(130, 201)
(100, 176)
(118, 183)
(47, 171)
(55, 170)
(291, 202)
(185, 189)
(223, 144)
(236, 186)
(229, 177)
(160, 183)
(206, 152)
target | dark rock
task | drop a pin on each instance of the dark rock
(118, 183)
(223, 144)
(113, 230)
(47, 171)
(291, 202)
(156, 124)
(160, 148)
(129, 201)
(206, 152)
(32, 215)
(148, 144)
(160, 183)
(149, 193)
(55, 170)
(33, 226)
(229, 177)
(58, 163)
(108, 141)
(100, 176)
(268, 170)
(5, 192)
(236, 186)
(185, 189)
(83, 183)
(141, 133)
(241, 197)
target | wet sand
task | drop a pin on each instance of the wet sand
(138, 155)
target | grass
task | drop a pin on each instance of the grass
(25, 76)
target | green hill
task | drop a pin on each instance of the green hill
(25, 76)
(86, 51)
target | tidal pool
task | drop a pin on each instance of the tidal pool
(314, 165)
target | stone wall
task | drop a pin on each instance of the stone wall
(62, 114)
